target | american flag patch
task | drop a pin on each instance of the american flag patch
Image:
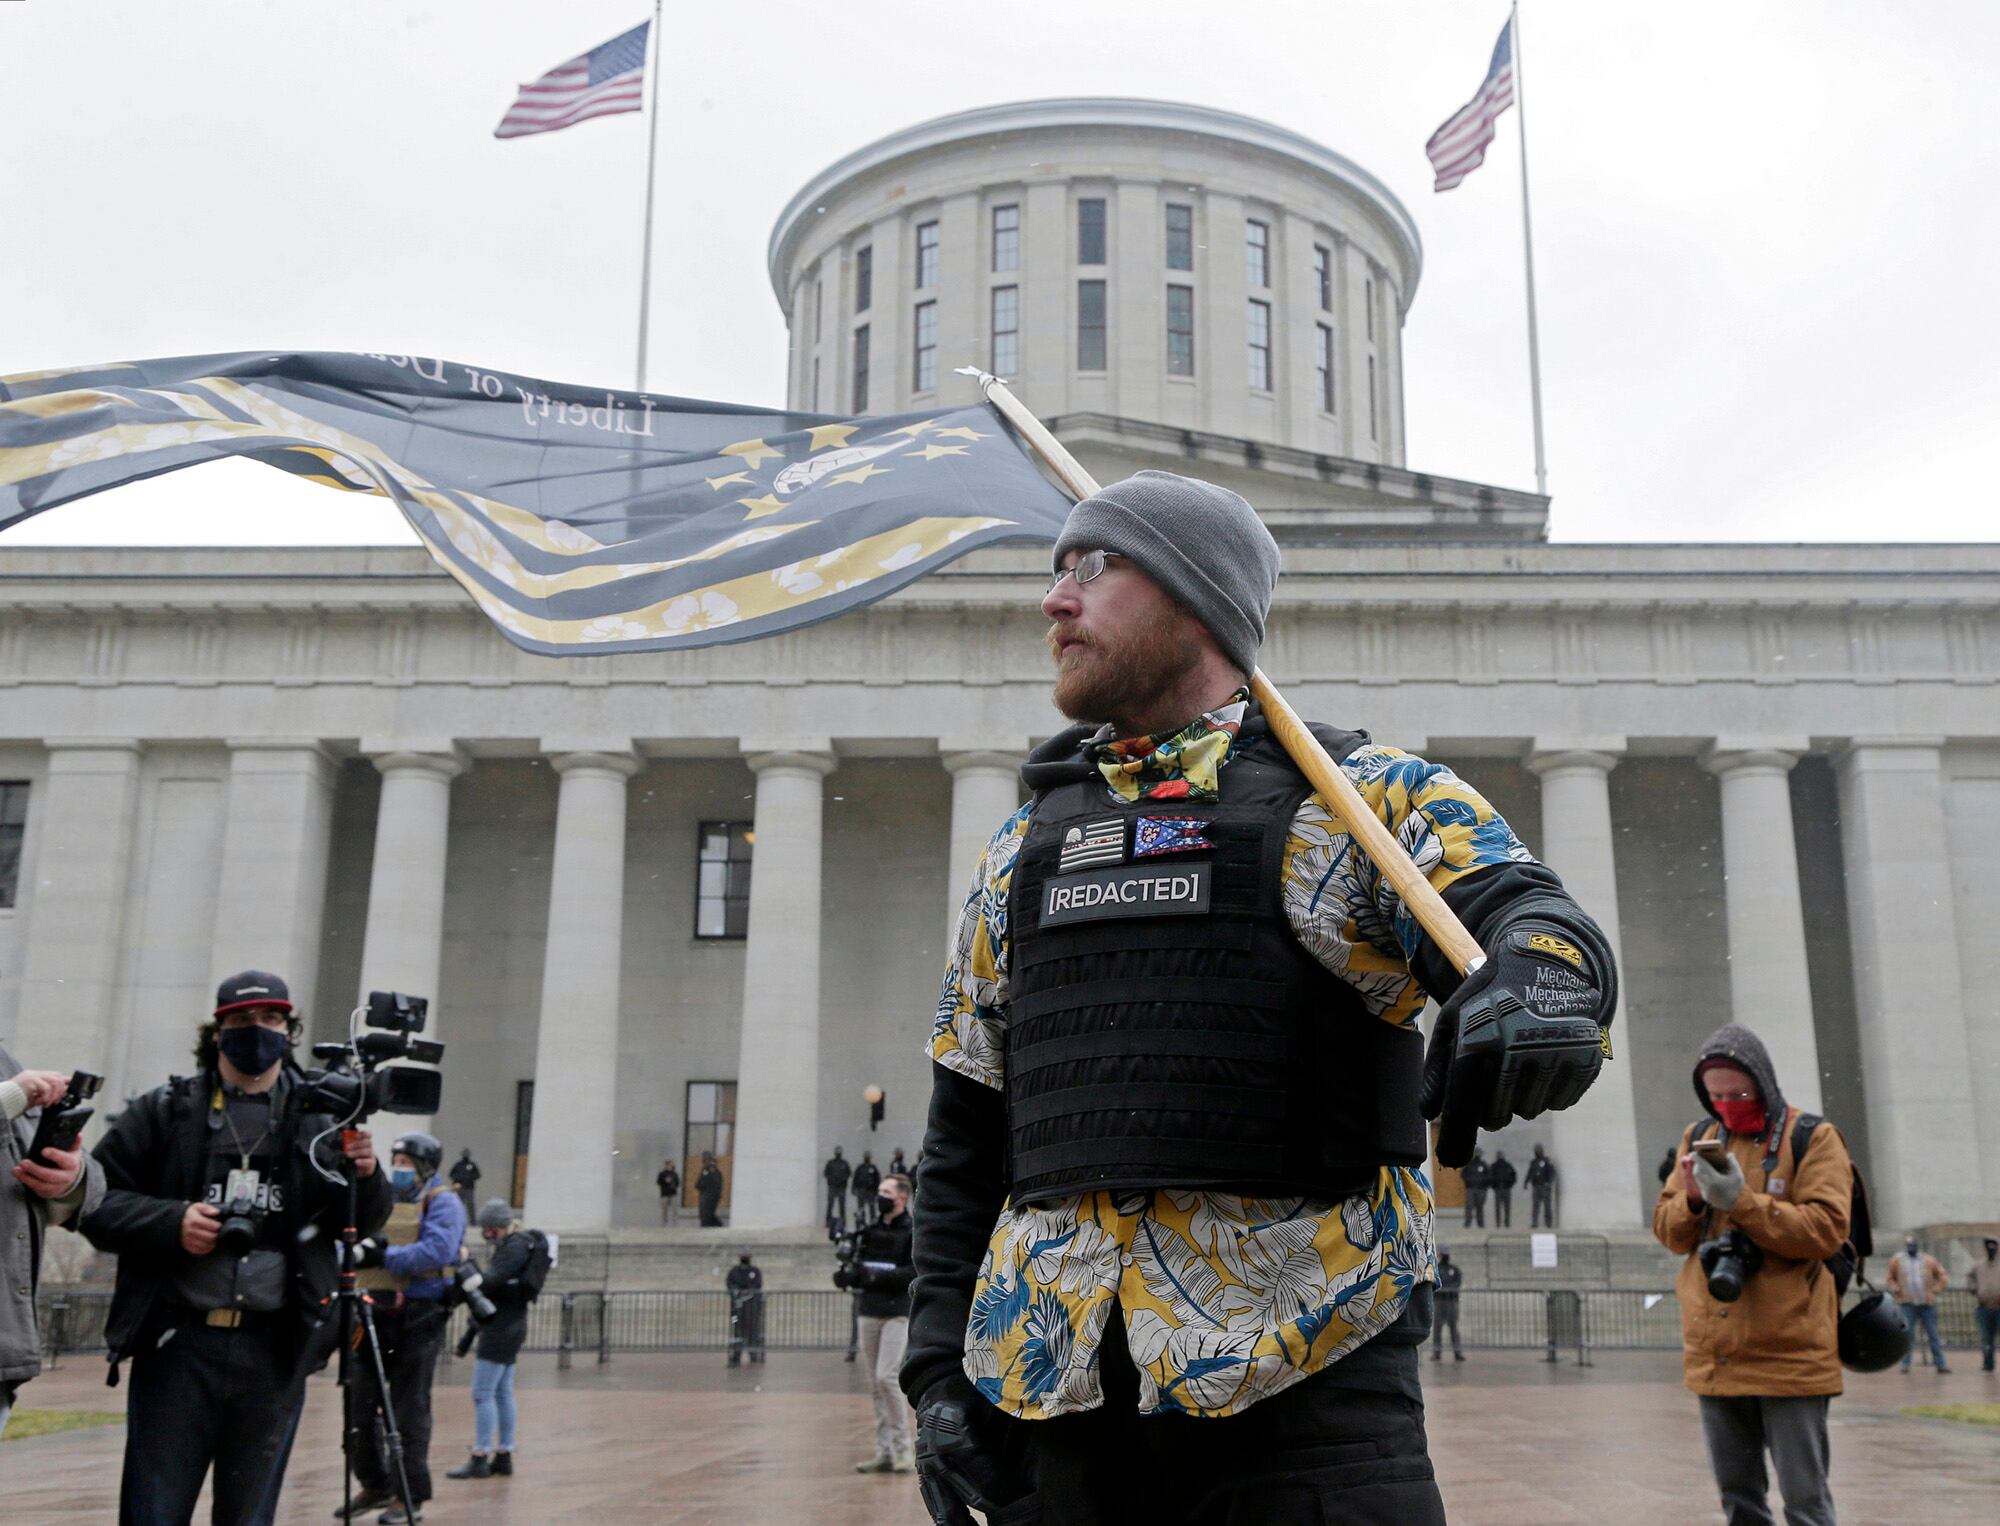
(1092, 844)
(1169, 834)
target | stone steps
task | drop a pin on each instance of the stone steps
(689, 1258)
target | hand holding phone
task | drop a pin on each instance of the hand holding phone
(1714, 1151)
(62, 1123)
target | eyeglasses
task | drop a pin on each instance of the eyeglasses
(1088, 566)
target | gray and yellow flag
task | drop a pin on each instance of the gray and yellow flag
(582, 521)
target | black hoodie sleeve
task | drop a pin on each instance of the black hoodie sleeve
(961, 1184)
(132, 1218)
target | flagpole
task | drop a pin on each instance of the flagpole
(652, 153)
(1528, 251)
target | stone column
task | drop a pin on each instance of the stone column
(576, 1045)
(1909, 1003)
(277, 830)
(402, 945)
(985, 791)
(777, 1078)
(76, 909)
(1596, 1143)
(1769, 990)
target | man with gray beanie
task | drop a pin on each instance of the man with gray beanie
(1176, 1242)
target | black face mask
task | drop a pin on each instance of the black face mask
(253, 1050)
(887, 1204)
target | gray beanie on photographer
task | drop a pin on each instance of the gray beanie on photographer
(1203, 544)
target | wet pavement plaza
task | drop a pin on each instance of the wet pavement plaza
(681, 1438)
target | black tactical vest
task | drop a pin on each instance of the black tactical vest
(1165, 1027)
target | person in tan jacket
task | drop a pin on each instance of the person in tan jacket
(1985, 1285)
(1764, 1363)
(1915, 1279)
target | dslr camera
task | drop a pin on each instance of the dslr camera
(358, 1079)
(240, 1217)
(467, 1287)
(1729, 1260)
(847, 1274)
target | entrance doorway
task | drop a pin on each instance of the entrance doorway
(711, 1125)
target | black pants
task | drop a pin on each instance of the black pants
(411, 1339)
(1541, 1207)
(1446, 1308)
(746, 1327)
(1503, 1207)
(1475, 1206)
(710, 1209)
(1314, 1455)
(205, 1396)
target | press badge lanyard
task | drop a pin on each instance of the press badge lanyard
(244, 1182)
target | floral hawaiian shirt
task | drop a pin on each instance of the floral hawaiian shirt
(1226, 1300)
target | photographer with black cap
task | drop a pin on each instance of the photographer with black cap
(406, 1269)
(224, 1227)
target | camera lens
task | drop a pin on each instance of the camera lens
(237, 1236)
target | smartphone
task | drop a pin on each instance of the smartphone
(62, 1125)
(1714, 1151)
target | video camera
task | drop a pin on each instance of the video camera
(846, 1258)
(359, 1080)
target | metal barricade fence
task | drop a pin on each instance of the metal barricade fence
(1631, 1321)
(71, 1319)
(1958, 1318)
(1552, 1320)
(1581, 1261)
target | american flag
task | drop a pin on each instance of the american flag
(1459, 147)
(610, 78)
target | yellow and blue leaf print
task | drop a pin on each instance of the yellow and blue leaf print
(1225, 1300)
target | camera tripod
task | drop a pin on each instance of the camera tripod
(357, 1334)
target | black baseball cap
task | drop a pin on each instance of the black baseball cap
(253, 988)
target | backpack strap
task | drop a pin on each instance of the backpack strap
(1802, 1133)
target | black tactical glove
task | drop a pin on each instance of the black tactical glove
(961, 1458)
(1523, 1034)
(846, 1278)
(367, 1253)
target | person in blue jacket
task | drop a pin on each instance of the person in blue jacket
(407, 1270)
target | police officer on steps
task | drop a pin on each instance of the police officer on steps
(1172, 1166)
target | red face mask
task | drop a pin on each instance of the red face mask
(1741, 1116)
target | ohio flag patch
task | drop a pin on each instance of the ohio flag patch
(1169, 834)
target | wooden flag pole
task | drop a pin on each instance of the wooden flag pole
(1341, 797)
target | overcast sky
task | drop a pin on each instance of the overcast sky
(1760, 226)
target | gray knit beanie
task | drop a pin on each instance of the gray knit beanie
(495, 1213)
(1203, 544)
